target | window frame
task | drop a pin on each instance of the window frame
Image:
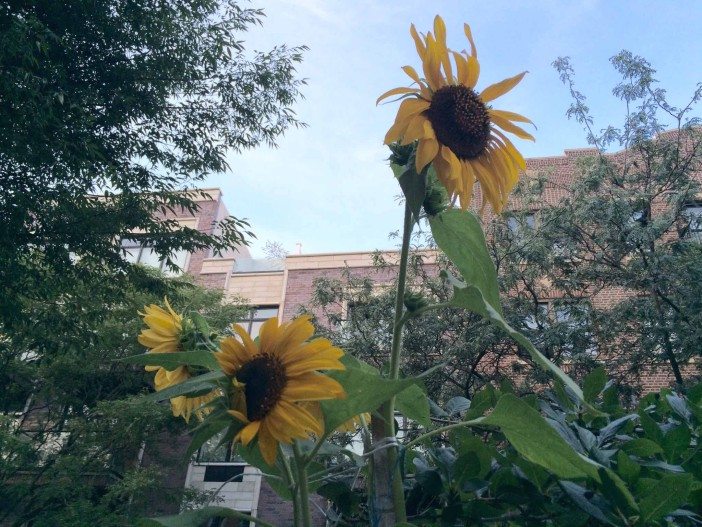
(140, 246)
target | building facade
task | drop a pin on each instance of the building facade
(282, 287)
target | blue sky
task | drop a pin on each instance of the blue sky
(328, 186)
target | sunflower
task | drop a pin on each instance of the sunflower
(456, 128)
(164, 333)
(273, 376)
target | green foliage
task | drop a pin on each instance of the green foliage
(559, 465)
(104, 122)
(87, 418)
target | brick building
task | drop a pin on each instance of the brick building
(281, 287)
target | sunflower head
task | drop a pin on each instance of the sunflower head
(273, 377)
(165, 333)
(455, 127)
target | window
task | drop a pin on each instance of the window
(518, 223)
(693, 214)
(574, 315)
(137, 252)
(536, 318)
(574, 334)
(256, 317)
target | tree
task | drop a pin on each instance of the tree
(625, 227)
(73, 457)
(108, 112)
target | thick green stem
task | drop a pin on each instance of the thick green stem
(302, 486)
(386, 469)
(290, 480)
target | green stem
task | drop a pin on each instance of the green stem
(290, 480)
(388, 409)
(441, 430)
(302, 485)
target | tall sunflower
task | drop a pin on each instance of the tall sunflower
(272, 376)
(163, 335)
(458, 131)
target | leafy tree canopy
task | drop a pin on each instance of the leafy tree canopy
(108, 111)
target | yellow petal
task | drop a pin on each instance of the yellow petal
(249, 344)
(453, 162)
(500, 88)
(461, 68)
(511, 116)
(412, 74)
(301, 416)
(408, 109)
(418, 43)
(313, 364)
(312, 387)
(268, 335)
(232, 353)
(396, 91)
(487, 184)
(426, 152)
(247, 433)
(442, 50)
(473, 72)
(507, 126)
(267, 444)
(320, 348)
(432, 64)
(469, 35)
(511, 149)
(238, 416)
(468, 183)
(293, 333)
(416, 129)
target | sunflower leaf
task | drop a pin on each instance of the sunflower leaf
(365, 390)
(171, 361)
(194, 385)
(533, 438)
(413, 402)
(459, 235)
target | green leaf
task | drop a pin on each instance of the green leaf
(211, 426)
(642, 447)
(591, 503)
(651, 429)
(593, 384)
(669, 493)
(616, 490)
(171, 361)
(414, 187)
(194, 385)
(628, 469)
(339, 493)
(365, 389)
(676, 442)
(533, 438)
(197, 518)
(412, 402)
(470, 298)
(459, 235)
(482, 401)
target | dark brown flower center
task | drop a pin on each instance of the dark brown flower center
(265, 380)
(460, 120)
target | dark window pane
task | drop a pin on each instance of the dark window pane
(222, 473)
